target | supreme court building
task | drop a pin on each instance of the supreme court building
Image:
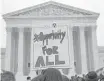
(51, 35)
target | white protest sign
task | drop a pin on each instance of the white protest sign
(50, 48)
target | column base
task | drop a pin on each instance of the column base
(32, 74)
(71, 72)
(20, 77)
(84, 72)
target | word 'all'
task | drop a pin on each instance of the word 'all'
(40, 61)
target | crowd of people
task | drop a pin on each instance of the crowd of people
(52, 74)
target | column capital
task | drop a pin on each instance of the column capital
(27, 29)
(12, 29)
(70, 28)
(82, 28)
(8, 29)
(94, 28)
(21, 29)
(89, 28)
(15, 29)
(75, 28)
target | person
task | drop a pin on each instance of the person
(91, 76)
(73, 78)
(65, 78)
(52, 74)
(7, 76)
(80, 78)
(39, 76)
(28, 78)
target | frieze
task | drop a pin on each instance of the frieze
(51, 10)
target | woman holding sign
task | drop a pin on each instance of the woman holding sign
(52, 74)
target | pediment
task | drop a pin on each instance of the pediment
(50, 9)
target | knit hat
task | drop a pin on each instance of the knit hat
(92, 76)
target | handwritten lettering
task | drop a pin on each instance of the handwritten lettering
(41, 61)
(51, 36)
(50, 51)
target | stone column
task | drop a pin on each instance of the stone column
(8, 49)
(83, 50)
(14, 50)
(2, 57)
(89, 51)
(95, 48)
(19, 75)
(71, 51)
(27, 51)
(77, 51)
(32, 71)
